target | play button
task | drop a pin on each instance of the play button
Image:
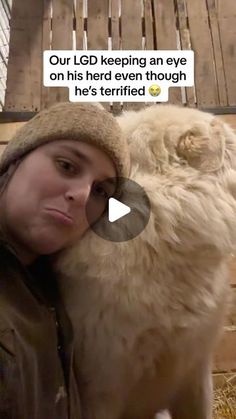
(126, 215)
(116, 210)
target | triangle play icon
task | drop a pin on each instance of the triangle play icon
(117, 210)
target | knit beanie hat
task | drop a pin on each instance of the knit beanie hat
(73, 121)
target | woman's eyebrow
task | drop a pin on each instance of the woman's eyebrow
(108, 179)
(77, 153)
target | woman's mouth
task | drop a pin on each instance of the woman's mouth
(60, 216)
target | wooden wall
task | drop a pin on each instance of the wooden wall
(206, 26)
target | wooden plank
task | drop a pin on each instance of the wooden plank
(7, 130)
(227, 25)
(11, 116)
(115, 41)
(219, 65)
(205, 79)
(98, 28)
(98, 24)
(115, 25)
(62, 24)
(79, 16)
(131, 24)
(185, 45)
(220, 110)
(165, 24)
(47, 26)
(25, 57)
(131, 34)
(62, 29)
(148, 18)
(166, 36)
(225, 355)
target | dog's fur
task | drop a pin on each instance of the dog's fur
(147, 312)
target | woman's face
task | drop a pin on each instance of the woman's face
(44, 204)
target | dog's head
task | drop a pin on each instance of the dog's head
(186, 162)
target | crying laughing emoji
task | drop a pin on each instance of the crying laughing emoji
(154, 90)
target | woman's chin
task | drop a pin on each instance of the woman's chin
(49, 246)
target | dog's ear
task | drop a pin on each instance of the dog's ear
(203, 146)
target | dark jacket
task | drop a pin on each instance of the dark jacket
(36, 351)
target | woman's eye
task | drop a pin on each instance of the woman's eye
(67, 166)
(100, 191)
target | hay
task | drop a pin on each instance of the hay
(225, 399)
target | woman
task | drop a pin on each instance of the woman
(59, 162)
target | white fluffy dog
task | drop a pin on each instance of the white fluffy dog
(147, 312)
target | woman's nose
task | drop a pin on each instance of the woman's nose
(79, 193)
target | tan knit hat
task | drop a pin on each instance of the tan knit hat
(73, 121)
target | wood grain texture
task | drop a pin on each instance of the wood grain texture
(24, 76)
(46, 34)
(131, 34)
(206, 26)
(98, 24)
(79, 16)
(131, 24)
(200, 35)
(7, 130)
(98, 28)
(227, 28)
(62, 28)
(225, 354)
(185, 45)
(115, 41)
(217, 51)
(149, 25)
(166, 37)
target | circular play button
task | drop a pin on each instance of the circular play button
(126, 215)
(117, 210)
